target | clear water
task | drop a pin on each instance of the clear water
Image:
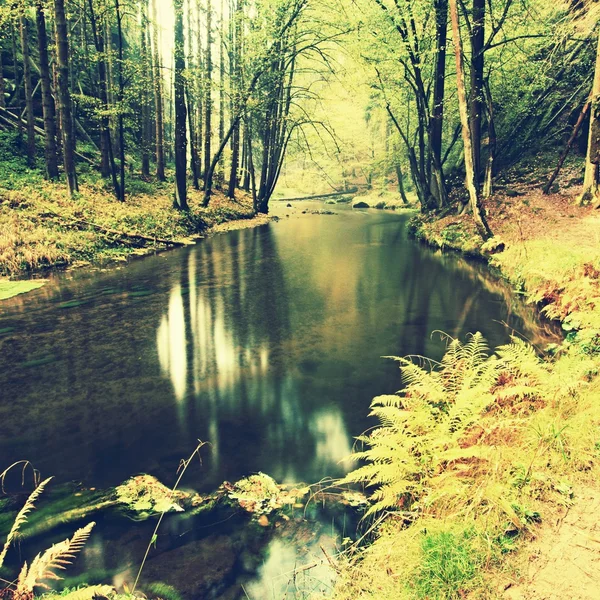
(266, 342)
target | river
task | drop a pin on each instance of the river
(265, 342)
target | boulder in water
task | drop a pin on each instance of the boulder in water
(358, 203)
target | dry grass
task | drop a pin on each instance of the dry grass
(41, 227)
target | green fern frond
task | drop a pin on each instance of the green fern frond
(21, 517)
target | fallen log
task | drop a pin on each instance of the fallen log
(13, 121)
(109, 231)
(352, 190)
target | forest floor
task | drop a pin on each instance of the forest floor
(546, 441)
(42, 228)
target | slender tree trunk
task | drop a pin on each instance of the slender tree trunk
(106, 148)
(471, 183)
(400, 178)
(592, 160)
(476, 102)
(49, 112)
(158, 101)
(208, 99)
(59, 137)
(199, 90)
(565, 152)
(437, 114)
(235, 77)
(180, 111)
(120, 118)
(2, 84)
(145, 120)
(189, 90)
(64, 95)
(17, 95)
(24, 28)
(222, 75)
(488, 182)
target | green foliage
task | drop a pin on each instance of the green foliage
(450, 565)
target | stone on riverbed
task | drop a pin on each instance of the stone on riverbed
(358, 203)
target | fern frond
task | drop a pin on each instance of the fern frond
(21, 517)
(57, 557)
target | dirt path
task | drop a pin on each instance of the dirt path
(564, 561)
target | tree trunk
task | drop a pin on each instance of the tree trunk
(189, 90)
(592, 160)
(565, 152)
(208, 99)
(2, 84)
(180, 111)
(438, 186)
(476, 97)
(121, 108)
(489, 169)
(471, 183)
(235, 77)
(158, 101)
(24, 29)
(64, 95)
(400, 178)
(48, 108)
(145, 116)
(17, 96)
(108, 166)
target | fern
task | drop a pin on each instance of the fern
(421, 426)
(57, 557)
(21, 517)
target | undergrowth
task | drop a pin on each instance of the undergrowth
(469, 458)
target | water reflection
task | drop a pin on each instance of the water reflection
(265, 342)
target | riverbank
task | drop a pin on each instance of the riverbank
(511, 515)
(41, 228)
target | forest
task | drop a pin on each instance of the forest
(367, 367)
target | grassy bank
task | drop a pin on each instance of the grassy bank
(41, 227)
(489, 485)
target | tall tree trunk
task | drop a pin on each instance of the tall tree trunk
(437, 114)
(120, 118)
(17, 95)
(145, 120)
(2, 83)
(24, 28)
(48, 110)
(476, 102)
(108, 166)
(180, 111)
(208, 98)
(64, 95)
(158, 101)
(471, 183)
(488, 182)
(222, 74)
(591, 180)
(235, 77)
(199, 89)
(189, 90)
